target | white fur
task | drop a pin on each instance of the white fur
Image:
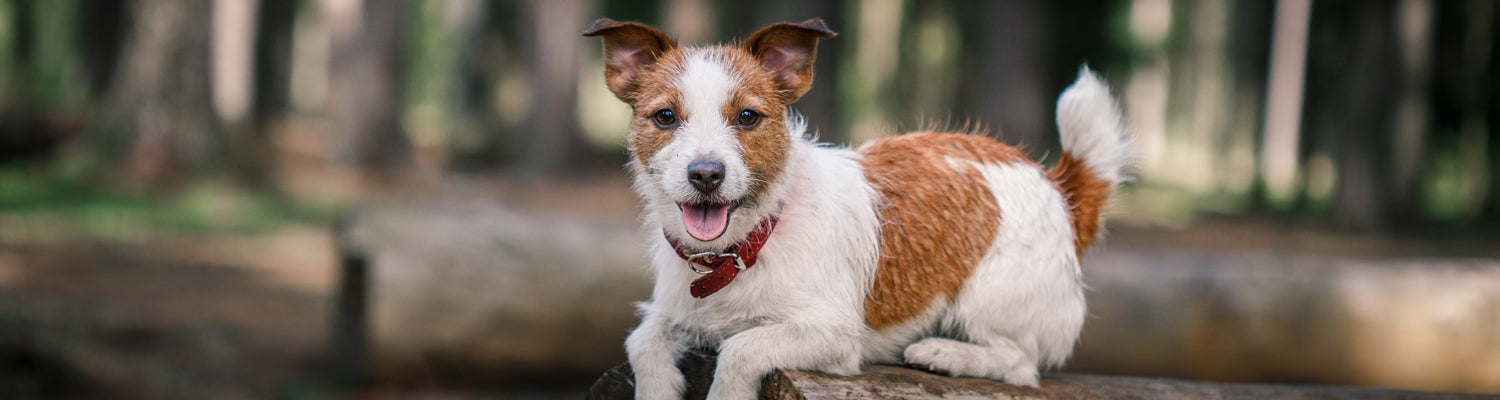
(1023, 307)
(1092, 128)
(705, 82)
(885, 346)
(802, 305)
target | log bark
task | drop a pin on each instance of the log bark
(892, 382)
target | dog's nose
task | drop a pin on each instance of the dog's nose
(706, 175)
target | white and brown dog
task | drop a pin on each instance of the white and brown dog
(949, 251)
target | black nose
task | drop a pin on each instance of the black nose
(706, 175)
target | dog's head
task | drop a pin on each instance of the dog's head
(709, 133)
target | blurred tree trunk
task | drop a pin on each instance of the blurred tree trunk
(1281, 152)
(1362, 154)
(554, 145)
(476, 78)
(23, 31)
(271, 72)
(273, 60)
(692, 21)
(1250, 45)
(365, 93)
(868, 94)
(1409, 123)
(1487, 69)
(102, 25)
(1478, 70)
(1010, 72)
(818, 105)
(161, 112)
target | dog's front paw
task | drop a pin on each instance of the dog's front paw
(656, 392)
(1023, 375)
(660, 385)
(733, 392)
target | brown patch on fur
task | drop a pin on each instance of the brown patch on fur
(653, 91)
(1086, 194)
(936, 221)
(764, 146)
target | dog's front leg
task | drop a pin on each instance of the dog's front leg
(747, 357)
(654, 348)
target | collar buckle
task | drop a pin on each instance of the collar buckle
(696, 260)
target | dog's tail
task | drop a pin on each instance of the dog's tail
(1095, 154)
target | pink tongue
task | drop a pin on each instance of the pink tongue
(705, 222)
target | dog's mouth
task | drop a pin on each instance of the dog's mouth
(707, 221)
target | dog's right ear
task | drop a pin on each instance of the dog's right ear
(628, 49)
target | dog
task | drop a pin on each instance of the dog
(948, 251)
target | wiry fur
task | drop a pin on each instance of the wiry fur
(1095, 154)
(954, 253)
(1092, 128)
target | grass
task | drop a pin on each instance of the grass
(34, 203)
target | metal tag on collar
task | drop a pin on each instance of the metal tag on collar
(693, 261)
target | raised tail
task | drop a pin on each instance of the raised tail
(1095, 154)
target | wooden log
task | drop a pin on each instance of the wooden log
(348, 341)
(1248, 316)
(480, 295)
(892, 382)
(437, 290)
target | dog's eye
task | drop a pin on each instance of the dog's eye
(664, 118)
(747, 118)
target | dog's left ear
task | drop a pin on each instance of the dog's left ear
(788, 50)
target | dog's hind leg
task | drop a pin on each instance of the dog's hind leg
(1022, 308)
(1000, 359)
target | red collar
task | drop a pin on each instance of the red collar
(723, 267)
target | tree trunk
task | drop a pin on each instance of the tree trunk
(1011, 74)
(273, 59)
(365, 91)
(101, 28)
(554, 145)
(160, 103)
(1362, 154)
(1281, 128)
(1409, 123)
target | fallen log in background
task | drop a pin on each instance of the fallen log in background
(486, 293)
(1264, 316)
(480, 294)
(891, 382)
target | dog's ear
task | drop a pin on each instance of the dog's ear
(788, 50)
(628, 49)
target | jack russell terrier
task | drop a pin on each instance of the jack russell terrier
(949, 251)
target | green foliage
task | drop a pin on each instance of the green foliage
(42, 204)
